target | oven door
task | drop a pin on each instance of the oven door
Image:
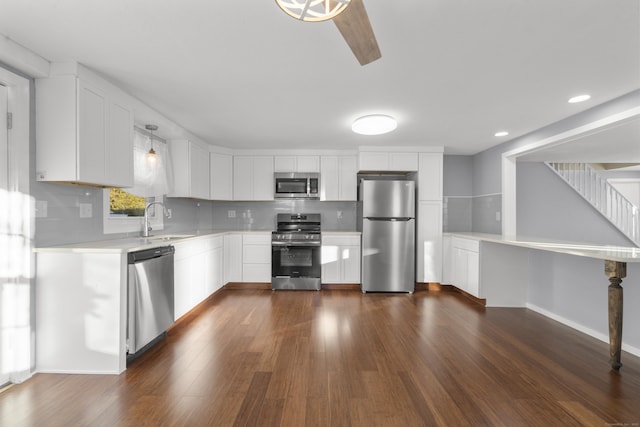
(294, 260)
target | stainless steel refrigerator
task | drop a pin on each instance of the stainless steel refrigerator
(388, 235)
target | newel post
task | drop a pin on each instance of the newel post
(615, 271)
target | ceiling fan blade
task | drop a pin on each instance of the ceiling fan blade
(356, 29)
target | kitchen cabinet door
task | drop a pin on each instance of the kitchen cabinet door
(190, 169)
(429, 242)
(430, 177)
(303, 163)
(232, 258)
(256, 257)
(465, 262)
(263, 178)
(221, 173)
(84, 133)
(330, 178)
(92, 134)
(340, 259)
(120, 145)
(284, 164)
(253, 178)
(404, 162)
(199, 176)
(338, 178)
(242, 178)
(348, 178)
(373, 161)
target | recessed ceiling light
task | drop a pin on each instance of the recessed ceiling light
(375, 124)
(502, 133)
(579, 98)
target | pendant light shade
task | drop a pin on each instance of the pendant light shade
(313, 10)
(152, 157)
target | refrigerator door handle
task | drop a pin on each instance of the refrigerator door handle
(389, 219)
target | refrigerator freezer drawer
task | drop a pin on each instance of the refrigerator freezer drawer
(388, 256)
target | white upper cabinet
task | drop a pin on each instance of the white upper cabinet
(253, 178)
(297, 164)
(430, 177)
(84, 133)
(338, 178)
(388, 161)
(221, 173)
(190, 169)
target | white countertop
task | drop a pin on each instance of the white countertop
(130, 244)
(605, 252)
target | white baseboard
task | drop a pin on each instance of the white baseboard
(592, 333)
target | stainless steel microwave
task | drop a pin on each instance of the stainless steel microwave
(296, 185)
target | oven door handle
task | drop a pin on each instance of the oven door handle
(296, 244)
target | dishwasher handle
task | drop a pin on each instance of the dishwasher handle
(139, 256)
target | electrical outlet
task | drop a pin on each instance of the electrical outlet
(41, 208)
(86, 210)
(339, 214)
(498, 216)
(231, 214)
(169, 214)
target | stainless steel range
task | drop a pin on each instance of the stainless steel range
(295, 252)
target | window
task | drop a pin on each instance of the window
(123, 204)
(123, 209)
(128, 211)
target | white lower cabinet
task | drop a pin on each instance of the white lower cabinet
(232, 257)
(256, 257)
(198, 271)
(340, 259)
(465, 265)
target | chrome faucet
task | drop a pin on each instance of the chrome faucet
(145, 224)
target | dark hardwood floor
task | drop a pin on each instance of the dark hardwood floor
(340, 358)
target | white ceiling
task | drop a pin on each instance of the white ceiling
(242, 74)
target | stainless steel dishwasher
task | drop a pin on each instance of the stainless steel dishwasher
(150, 296)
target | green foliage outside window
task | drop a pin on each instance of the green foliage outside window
(122, 203)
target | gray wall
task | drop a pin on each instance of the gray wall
(487, 169)
(549, 207)
(465, 208)
(63, 224)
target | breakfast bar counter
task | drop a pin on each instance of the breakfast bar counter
(504, 263)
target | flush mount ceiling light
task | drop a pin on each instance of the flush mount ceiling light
(501, 133)
(152, 157)
(375, 124)
(579, 98)
(313, 10)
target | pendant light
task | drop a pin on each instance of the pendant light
(152, 157)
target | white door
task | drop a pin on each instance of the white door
(4, 179)
(4, 151)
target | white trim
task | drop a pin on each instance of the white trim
(581, 328)
(509, 159)
(22, 58)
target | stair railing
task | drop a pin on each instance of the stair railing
(596, 190)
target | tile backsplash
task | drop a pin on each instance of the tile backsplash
(338, 216)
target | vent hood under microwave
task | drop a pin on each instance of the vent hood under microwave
(297, 185)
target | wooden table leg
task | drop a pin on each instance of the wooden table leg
(615, 271)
